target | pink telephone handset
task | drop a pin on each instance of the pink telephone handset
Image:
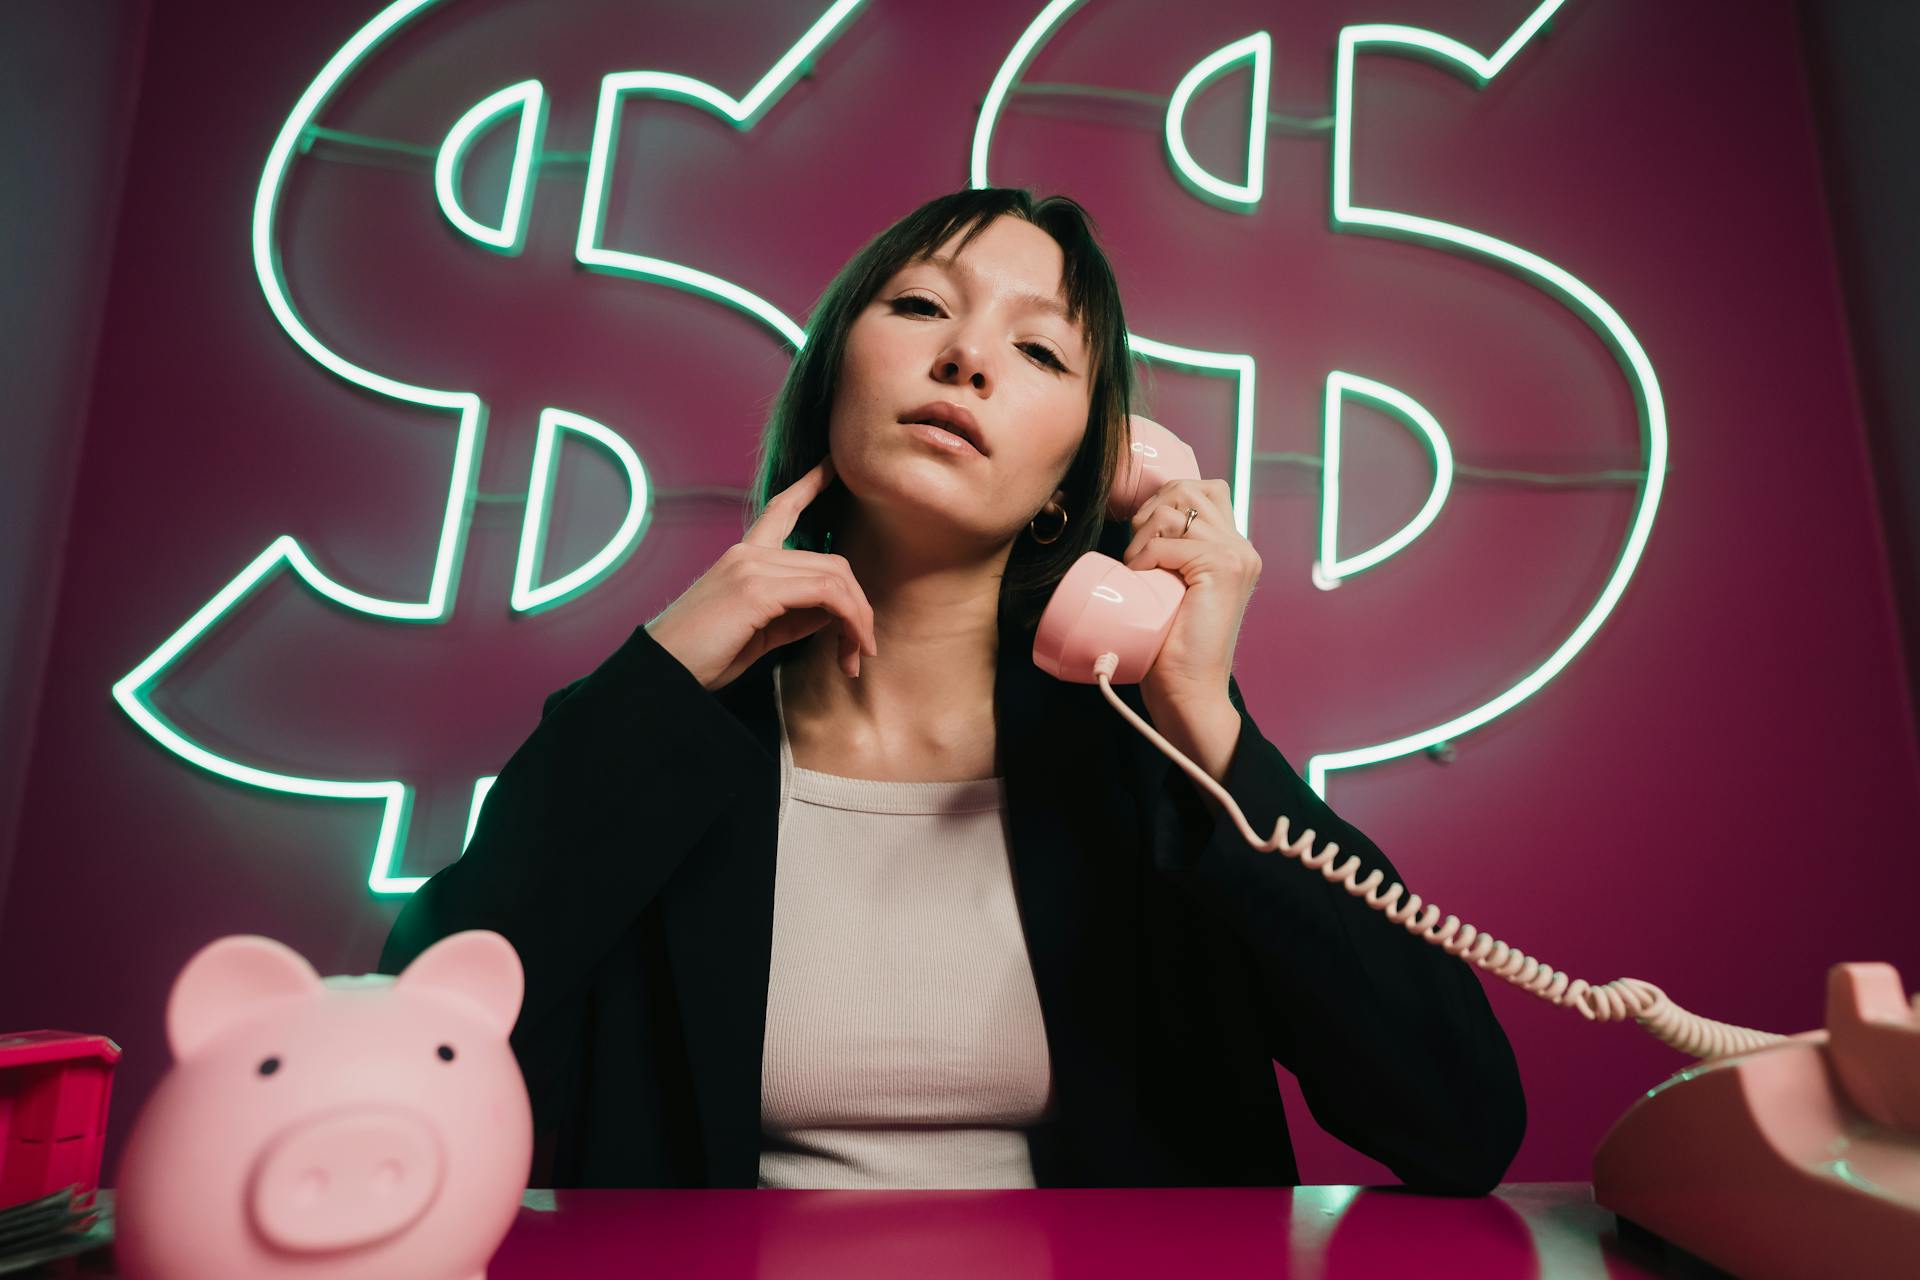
(1103, 607)
(1757, 1160)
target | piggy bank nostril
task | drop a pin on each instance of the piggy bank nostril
(346, 1180)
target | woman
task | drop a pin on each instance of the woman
(1004, 942)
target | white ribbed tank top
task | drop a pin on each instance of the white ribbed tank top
(904, 1041)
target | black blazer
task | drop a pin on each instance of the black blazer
(627, 852)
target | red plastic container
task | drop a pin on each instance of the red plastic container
(54, 1087)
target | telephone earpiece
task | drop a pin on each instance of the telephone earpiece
(1101, 606)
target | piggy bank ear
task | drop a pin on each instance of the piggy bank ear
(228, 980)
(478, 967)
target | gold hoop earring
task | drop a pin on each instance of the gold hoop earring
(1057, 532)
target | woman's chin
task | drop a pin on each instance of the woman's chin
(940, 523)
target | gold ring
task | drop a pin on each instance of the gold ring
(1192, 514)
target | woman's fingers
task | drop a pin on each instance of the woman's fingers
(1165, 514)
(759, 595)
(835, 564)
(1211, 497)
(784, 508)
(776, 524)
(788, 589)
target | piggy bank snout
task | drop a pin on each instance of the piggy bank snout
(347, 1179)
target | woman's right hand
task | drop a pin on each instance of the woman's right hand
(759, 595)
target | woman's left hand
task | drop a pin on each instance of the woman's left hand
(1220, 568)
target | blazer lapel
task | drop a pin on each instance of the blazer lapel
(1070, 821)
(717, 913)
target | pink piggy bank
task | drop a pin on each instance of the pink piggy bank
(346, 1128)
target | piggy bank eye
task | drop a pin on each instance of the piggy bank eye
(446, 1053)
(269, 1066)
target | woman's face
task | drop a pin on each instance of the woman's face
(986, 332)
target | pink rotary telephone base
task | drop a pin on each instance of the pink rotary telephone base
(1801, 1158)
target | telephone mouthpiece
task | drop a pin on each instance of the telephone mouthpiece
(1103, 607)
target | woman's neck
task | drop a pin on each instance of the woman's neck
(922, 710)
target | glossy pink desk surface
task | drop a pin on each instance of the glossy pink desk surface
(1545, 1229)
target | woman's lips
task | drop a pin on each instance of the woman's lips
(952, 418)
(942, 439)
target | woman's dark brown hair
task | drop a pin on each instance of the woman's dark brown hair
(795, 437)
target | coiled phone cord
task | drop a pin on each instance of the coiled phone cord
(1614, 1002)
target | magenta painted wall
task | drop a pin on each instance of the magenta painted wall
(1719, 794)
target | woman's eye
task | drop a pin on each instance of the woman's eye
(1042, 352)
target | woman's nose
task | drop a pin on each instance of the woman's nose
(963, 362)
